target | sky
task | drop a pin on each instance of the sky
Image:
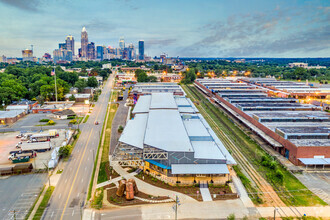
(185, 28)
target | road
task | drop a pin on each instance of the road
(70, 193)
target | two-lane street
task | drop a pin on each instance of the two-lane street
(70, 192)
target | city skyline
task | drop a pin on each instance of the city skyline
(212, 29)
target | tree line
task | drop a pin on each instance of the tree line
(37, 83)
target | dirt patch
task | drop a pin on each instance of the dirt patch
(192, 191)
(121, 201)
(222, 192)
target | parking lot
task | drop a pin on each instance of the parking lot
(31, 122)
(8, 142)
(18, 194)
(318, 183)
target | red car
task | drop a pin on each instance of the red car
(96, 123)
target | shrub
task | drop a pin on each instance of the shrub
(74, 121)
(71, 117)
(65, 151)
(51, 122)
(279, 175)
(44, 120)
(231, 217)
(120, 129)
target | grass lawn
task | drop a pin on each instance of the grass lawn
(290, 189)
(105, 172)
(79, 119)
(43, 203)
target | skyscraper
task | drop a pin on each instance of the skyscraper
(91, 51)
(70, 43)
(141, 50)
(122, 43)
(84, 42)
(62, 46)
(131, 52)
(99, 52)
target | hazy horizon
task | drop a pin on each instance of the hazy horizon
(200, 29)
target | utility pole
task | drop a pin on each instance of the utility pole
(175, 207)
(48, 176)
(275, 209)
(55, 85)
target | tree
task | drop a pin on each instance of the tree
(72, 98)
(188, 76)
(141, 75)
(81, 84)
(152, 79)
(92, 82)
(65, 151)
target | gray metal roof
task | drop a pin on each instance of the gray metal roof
(143, 104)
(207, 150)
(199, 169)
(162, 101)
(315, 161)
(133, 133)
(165, 130)
(10, 114)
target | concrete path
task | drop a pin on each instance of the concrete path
(241, 191)
(127, 176)
(153, 190)
(205, 192)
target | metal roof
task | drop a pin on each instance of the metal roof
(315, 161)
(143, 104)
(207, 150)
(162, 101)
(199, 169)
(165, 130)
(10, 114)
(222, 148)
(133, 133)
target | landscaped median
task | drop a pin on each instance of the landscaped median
(43, 203)
(104, 171)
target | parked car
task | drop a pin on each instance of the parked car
(96, 123)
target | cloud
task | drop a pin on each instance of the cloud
(98, 25)
(269, 33)
(26, 5)
(161, 42)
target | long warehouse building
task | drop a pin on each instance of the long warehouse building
(168, 138)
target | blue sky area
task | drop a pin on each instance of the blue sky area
(185, 28)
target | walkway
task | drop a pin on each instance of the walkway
(206, 194)
(153, 190)
(115, 180)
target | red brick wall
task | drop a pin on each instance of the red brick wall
(287, 144)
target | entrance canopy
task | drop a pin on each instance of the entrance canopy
(315, 161)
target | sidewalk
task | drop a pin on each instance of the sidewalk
(152, 190)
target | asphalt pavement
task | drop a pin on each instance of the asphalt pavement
(18, 193)
(68, 199)
(119, 119)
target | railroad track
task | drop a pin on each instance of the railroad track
(266, 190)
